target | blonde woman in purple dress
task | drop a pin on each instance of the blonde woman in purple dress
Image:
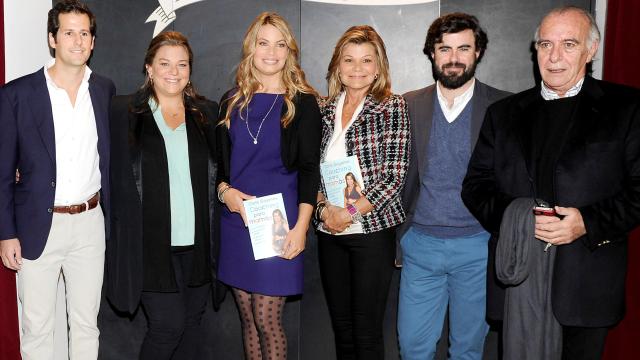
(270, 143)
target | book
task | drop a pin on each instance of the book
(268, 225)
(342, 180)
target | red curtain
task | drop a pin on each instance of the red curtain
(622, 52)
(9, 336)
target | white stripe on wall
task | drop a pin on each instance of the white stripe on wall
(601, 20)
(373, 2)
(26, 50)
(25, 36)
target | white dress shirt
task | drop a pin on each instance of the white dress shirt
(549, 94)
(76, 137)
(459, 102)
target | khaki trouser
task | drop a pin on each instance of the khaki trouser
(75, 246)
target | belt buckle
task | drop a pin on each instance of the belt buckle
(76, 209)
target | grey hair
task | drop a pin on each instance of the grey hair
(594, 32)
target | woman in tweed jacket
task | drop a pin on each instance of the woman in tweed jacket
(356, 244)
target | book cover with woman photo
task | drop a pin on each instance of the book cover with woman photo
(268, 225)
(342, 180)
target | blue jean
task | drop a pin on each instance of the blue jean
(436, 273)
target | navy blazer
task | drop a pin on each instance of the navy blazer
(27, 143)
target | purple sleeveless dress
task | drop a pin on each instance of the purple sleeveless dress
(257, 169)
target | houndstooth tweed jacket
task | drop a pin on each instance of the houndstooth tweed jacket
(380, 138)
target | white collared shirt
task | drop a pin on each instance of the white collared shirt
(459, 102)
(76, 137)
(336, 149)
(549, 94)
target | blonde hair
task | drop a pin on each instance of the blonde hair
(361, 34)
(247, 82)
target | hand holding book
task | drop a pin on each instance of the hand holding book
(234, 198)
(294, 243)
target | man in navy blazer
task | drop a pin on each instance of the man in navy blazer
(54, 172)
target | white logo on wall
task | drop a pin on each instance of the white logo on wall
(373, 2)
(166, 13)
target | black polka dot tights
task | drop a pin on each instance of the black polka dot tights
(262, 331)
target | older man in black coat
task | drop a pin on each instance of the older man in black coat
(574, 142)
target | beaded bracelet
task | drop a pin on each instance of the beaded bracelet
(356, 216)
(324, 207)
(221, 193)
(320, 207)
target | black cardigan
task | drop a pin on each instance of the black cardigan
(139, 251)
(299, 145)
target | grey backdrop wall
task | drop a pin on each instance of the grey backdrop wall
(215, 29)
(510, 26)
(400, 26)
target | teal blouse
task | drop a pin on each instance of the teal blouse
(180, 191)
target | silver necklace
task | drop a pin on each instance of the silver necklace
(246, 121)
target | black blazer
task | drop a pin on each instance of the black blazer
(420, 103)
(136, 141)
(299, 145)
(597, 171)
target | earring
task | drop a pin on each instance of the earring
(375, 77)
(150, 80)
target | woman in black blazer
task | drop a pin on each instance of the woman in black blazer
(159, 254)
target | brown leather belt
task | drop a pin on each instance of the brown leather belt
(79, 208)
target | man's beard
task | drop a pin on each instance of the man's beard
(453, 81)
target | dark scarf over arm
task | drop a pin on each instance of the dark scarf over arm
(530, 330)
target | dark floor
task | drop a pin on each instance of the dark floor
(306, 321)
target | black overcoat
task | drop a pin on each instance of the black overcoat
(125, 265)
(597, 171)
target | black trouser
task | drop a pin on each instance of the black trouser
(356, 272)
(581, 343)
(174, 317)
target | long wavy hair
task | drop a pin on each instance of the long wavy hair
(247, 83)
(190, 96)
(356, 183)
(360, 34)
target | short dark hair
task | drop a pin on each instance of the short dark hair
(451, 24)
(66, 7)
